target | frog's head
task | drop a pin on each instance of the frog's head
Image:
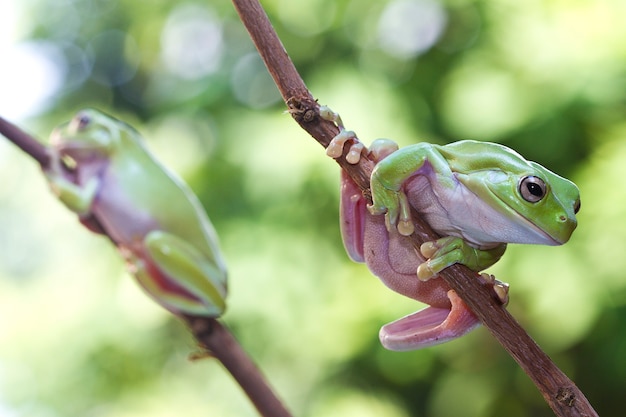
(89, 135)
(539, 203)
(549, 201)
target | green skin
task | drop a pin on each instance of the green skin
(101, 170)
(479, 196)
(489, 187)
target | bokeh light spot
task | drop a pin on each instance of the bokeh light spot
(35, 74)
(192, 43)
(408, 28)
(252, 83)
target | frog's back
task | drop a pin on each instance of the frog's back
(471, 155)
(167, 200)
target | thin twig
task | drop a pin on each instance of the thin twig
(559, 391)
(25, 142)
(216, 338)
(210, 333)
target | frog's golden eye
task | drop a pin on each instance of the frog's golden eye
(532, 189)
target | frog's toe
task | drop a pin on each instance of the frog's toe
(327, 114)
(405, 227)
(376, 209)
(382, 148)
(354, 155)
(430, 326)
(440, 254)
(335, 147)
(425, 272)
(428, 249)
(501, 289)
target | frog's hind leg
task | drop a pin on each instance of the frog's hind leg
(430, 326)
(182, 278)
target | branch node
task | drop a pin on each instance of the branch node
(200, 327)
(566, 396)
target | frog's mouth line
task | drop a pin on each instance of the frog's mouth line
(549, 239)
(523, 227)
(530, 225)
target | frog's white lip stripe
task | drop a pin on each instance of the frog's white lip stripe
(78, 146)
(550, 240)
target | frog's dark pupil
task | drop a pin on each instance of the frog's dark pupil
(535, 189)
(83, 121)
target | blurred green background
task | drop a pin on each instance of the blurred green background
(77, 336)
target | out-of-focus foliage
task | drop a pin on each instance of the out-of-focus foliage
(78, 338)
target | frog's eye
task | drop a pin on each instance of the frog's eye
(532, 188)
(81, 121)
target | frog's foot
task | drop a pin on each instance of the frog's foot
(430, 326)
(450, 250)
(180, 277)
(335, 147)
(501, 289)
(394, 204)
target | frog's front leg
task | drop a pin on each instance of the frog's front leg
(389, 176)
(450, 250)
(76, 198)
(185, 280)
(335, 147)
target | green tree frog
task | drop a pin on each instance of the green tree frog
(479, 196)
(101, 170)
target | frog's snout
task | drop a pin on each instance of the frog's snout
(567, 225)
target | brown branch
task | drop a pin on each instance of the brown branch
(213, 336)
(559, 391)
(209, 333)
(25, 142)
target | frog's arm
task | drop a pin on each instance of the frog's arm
(186, 280)
(390, 174)
(77, 198)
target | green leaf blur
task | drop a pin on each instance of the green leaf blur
(78, 338)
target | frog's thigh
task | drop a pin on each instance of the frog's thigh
(187, 266)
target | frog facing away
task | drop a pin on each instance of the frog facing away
(478, 196)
